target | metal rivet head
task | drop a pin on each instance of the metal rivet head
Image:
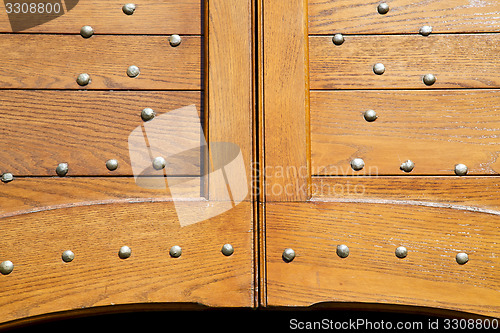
(159, 163)
(338, 39)
(383, 8)
(83, 79)
(425, 30)
(112, 165)
(461, 169)
(86, 31)
(124, 252)
(175, 251)
(148, 114)
(462, 258)
(227, 249)
(407, 166)
(357, 164)
(370, 115)
(288, 255)
(379, 69)
(133, 71)
(62, 169)
(342, 251)
(429, 79)
(68, 256)
(6, 267)
(128, 8)
(401, 252)
(175, 40)
(7, 177)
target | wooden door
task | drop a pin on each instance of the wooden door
(365, 225)
(124, 218)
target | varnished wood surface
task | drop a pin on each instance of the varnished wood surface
(107, 17)
(457, 61)
(86, 128)
(404, 16)
(55, 61)
(436, 129)
(42, 283)
(286, 100)
(428, 276)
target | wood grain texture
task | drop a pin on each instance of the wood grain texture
(404, 16)
(457, 61)
(86, 128)
(107, 17)
(428, 276)
(54, 62)
(42, 283)
(286, 100)
(436, 129)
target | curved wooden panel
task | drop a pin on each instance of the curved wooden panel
(404, 16)
(435, 129)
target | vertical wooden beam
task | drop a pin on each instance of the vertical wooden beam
(286, 101)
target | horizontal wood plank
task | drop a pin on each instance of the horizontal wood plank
(54, 62)
(107, 17)
(42, 283)
(404, 16)
(86, 128)
(457, 61)
(428, 276)
(435, 129)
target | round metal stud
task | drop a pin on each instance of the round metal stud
(288, 255)
(370, 115)
(401, 252)
(407, 166)
(227, 249)
(357, 164)
(175, 40)
(133, 71)
(342, 251)
(86, 31)
(425, 30)
(175, 251)
(159, 163)
(461, 169)
(124, 252)
(68, 256)
(429, 79)
(379, 69)
(148, 114)
(128, 8)
(6, 267)
(62, 169)
(83, 79)
(7, 177)
(338, 39)
(462, 258)
(383, 8)
(112, 165)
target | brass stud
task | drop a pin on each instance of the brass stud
(124, 252)
(62, 169)
(370, 115)
(288, 255)
(227, 249)
(342, 251)
(83, 79)
(6, 267)
(175, 40)
(383, 8)
(425, 30)
(128, 8)
(133, 71)
(175, 251)
(379, 69)
(357, 164)
(86, 31)
(407, 166)
(159, 163)
(429, 79)
(112, 164)
(338, 39)
(461, 169)
(462, 258)
(401, 252)
(68, 256)
(148, 114)
(7, 177)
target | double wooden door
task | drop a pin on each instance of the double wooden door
(219, 152)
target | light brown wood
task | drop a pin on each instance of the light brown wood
(428, 276)
(107, 17)
(404, 16)
(54, 62)
(457, 61)
(86, 128)
(42, 283)
(286, 100)
(436, 129)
